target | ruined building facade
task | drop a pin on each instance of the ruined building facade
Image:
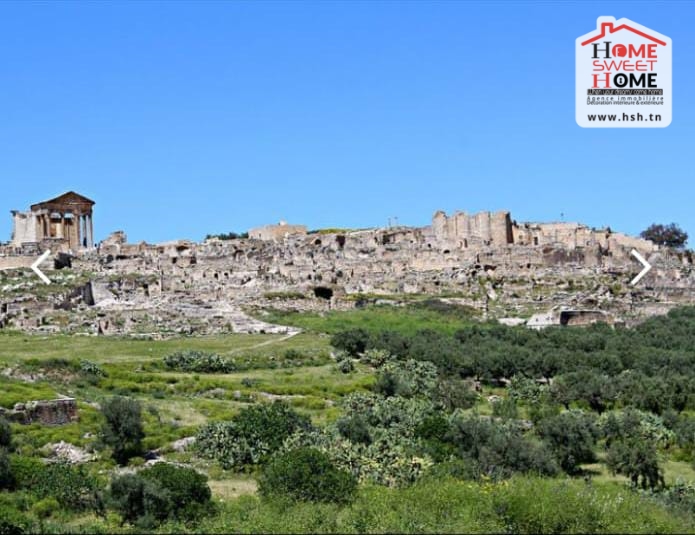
(277, 232)
(485, 229)
(60, 224)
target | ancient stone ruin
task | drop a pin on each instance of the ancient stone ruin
(47, 412)
(486, 261)
(60, 224)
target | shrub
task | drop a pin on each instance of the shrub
(12, 522)
(6, 477)
(572, 436)
(498, 449)
(631, 423)
(636, 458)
(354, 341)
(71, 485)
(376, 357)
(456, 394)
(46, 507)
(185, 486)
(91, 368)
(505, 408)
(685, 434)
(307, 474)
(122, 430)
(26, 471)
(160, 492)
(138, 500)
(345, 366)
(410, 378)
(251, 436)
(354, 428)
(680, 495)
(199, 361)
(5, 434)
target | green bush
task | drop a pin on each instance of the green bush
(7, 480)
(5, 434)
(375, 357)
(307, 475)
(138, 500)
(71, 485)
(251, 436)
(637, 459)
(353, 341)
(410, 378)
(199, 361)
(46, 507)
(160, 492)
(505, 408)
(355, 428)
(91, 368)
(455, 394)
(572, 437)
(345, 366)
(12, 522)
(187, 488)
(26, 471)
(498, 450)
(122, 429)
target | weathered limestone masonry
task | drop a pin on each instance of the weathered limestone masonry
(60, 224)
(485, 260)
(48, 412)
(277, 232)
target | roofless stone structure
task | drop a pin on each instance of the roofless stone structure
(63, 223)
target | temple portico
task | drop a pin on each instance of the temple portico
(65, 222)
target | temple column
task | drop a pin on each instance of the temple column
(90, 232)
(83, 230)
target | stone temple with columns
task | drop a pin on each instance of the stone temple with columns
(60, 224)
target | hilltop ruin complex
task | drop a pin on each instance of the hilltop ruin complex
(486, 261)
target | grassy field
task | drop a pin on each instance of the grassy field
(300, 370)
(417, 315)
(19, 346)
(176, 403)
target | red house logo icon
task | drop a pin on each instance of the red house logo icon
(623, 76)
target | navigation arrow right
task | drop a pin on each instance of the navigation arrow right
(647, 267)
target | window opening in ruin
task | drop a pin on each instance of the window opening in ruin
(535, 240)
(317, 242)
(323, 292)
(341, 240)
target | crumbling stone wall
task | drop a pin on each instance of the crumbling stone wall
(47, 412)
(481, 229)
(277, 232)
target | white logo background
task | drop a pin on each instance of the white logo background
(627, 114)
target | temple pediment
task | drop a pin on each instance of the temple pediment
(67, 201)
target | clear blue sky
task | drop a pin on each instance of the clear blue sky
(182, 118)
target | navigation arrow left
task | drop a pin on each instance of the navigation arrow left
(35, 266)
